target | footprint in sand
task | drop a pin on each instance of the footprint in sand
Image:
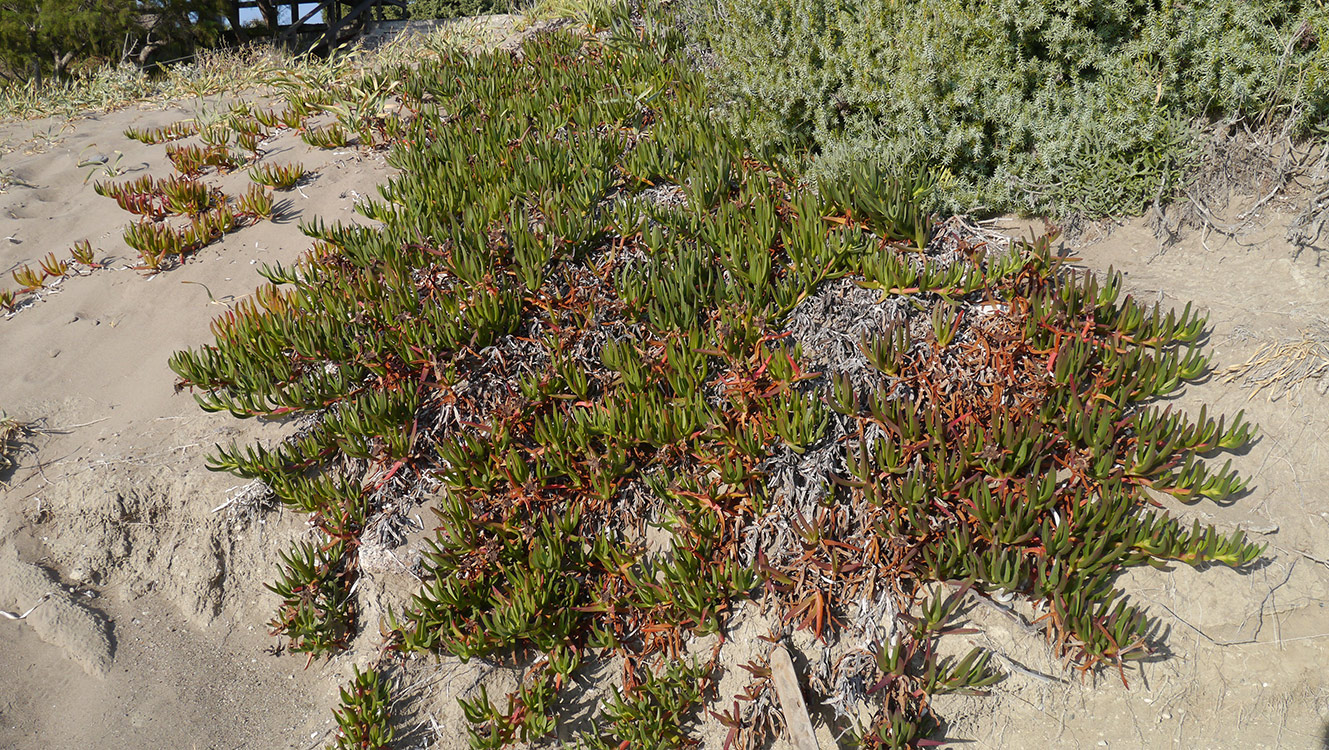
(40, 602)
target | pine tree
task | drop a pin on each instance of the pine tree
(44, 37)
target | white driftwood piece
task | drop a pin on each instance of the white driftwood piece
(791, 700)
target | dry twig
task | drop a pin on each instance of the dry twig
(15, 616)
(1282, 365)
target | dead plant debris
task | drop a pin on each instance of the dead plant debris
(1281, 366)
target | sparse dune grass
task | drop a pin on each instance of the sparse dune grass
(211, 73)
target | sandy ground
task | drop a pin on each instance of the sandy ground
(1243, 658)
(154, 635)
(112, 497)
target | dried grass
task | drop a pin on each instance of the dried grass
(1308, 228)
(11, 432)
(214, 73)
(1244, 173)
(1236, 161)
(1280, 366)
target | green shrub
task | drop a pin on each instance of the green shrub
(1034, 105)
(425, 9)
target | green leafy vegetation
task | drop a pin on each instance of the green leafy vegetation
(1038, 106)
(153, 136)
(255, 204)
(331, 136)
(158, 242)
(277, 176)
(363, 719)
(45, 36)
(316, 610)
(588, 309)
(50, 269)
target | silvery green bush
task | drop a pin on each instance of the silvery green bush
(1054, 106)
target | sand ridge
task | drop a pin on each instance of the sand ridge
(55, 615)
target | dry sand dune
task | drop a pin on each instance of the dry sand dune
(154, 634)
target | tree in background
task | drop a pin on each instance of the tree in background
(45, 37)
(175, 27)
(424, 9)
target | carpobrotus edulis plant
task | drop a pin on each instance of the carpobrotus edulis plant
(589, 309)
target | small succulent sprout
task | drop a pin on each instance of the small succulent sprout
(150, 261)
(154, 242)
(216, 134)
(28, 279)
(277, 176)
(208, 227)
(1239, 435)
(248, 142)
(221, 158)
(154, 136)
(83, 253)
(54, 267)
(247, 125)
(256, 203)
(364, 719)
(144, 185)
(192, 160)
(315, 613)
(292, 117)
(186, 197)
(267, 118)
(890, 352)
(189, 160)
(945, 323)
(328, 136)
(966, 676)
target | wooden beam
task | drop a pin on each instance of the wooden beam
(295, 27)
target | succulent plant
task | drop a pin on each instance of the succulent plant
(364, 719)
(278, 176)
(173, 132)
(576, 316)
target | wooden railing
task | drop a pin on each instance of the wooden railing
(329, 23)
